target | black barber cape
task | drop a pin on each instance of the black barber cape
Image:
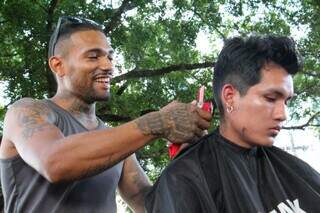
(216, 175)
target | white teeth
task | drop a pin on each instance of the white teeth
(102, 80)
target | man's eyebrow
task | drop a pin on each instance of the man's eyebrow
(280, 93)
(109, 51)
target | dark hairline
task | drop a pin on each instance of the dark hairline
(67, 36)
(241, 43)
(66, 30)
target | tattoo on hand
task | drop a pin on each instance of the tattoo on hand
(177, 123)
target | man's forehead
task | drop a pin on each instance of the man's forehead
(275, 79)
(107, 51)
(90, 38)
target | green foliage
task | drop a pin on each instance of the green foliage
(2, 113)
(150, 35)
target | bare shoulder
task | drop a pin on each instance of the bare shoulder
(23, 118)
(30, 108)
(27, 115)
(28, 103)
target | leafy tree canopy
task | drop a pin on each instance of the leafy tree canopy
(157, 55)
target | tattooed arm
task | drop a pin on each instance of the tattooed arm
(133, 184)
(29, 132)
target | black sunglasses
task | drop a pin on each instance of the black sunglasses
(65, 21)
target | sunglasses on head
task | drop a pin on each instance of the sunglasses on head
(69, 20)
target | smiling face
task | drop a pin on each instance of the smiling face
(257, 116)
(87, 66)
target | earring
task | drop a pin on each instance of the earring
(229, 108)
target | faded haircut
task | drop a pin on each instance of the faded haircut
(241, 60)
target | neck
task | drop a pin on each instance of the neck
(229, 133)
(75, 105)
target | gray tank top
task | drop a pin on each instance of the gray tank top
(25, 190)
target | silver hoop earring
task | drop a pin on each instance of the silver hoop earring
(229, 108)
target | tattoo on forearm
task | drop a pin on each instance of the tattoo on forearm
(108, 163)
(33, 116)
(93, 170)
(142, 184)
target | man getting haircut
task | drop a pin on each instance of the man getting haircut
(236, 168)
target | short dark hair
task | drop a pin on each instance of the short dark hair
(241, 60)
(68, 25)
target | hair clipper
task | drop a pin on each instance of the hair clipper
(207, 106)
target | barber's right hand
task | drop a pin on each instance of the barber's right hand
(177, 122)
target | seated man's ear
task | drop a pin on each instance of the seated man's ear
(228, 96)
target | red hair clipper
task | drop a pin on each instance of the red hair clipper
(207, 106)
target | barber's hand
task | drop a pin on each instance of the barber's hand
(177, 122)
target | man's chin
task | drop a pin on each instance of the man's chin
(103, 98)
(268, 142)
(96, 98)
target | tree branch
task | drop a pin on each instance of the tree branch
(122, 89)
(52, 86)
(120, 118)
(52, 6)
(307, 124)
(126, 5)
(135, 73)
(215, 27)
(3, 22)
(307, 89)
(8, 55)
(312, 74)
(41, 6)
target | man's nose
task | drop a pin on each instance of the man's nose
(105, 64)
(280, 112)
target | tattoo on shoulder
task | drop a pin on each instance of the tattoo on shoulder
(32, 116)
